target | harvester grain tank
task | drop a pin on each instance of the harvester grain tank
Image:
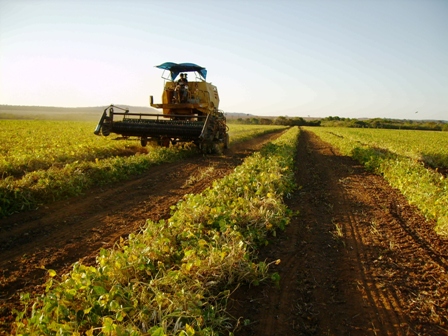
(189, 112)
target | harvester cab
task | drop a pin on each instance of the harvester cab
(189, 113)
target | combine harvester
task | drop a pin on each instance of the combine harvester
(190, 113)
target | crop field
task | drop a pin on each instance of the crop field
(430, 147)
(199, 251)
(403, 158)
(285, 233)
(43, 161)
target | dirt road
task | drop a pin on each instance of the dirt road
(356, 260)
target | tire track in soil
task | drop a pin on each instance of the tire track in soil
(356, 260)
(62, 233)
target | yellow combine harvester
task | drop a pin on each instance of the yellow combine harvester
(190, 113)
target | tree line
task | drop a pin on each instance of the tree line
(429, 125)
(296, 121)
(335, 121)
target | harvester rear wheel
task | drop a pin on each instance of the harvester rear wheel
(164, 142)
(144, 142)
(205, 147)
(226, 141)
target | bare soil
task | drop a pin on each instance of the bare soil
(356, 258)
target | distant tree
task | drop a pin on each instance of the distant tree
(375, 123)
(314, 123)
(281, 121)
(254, 121)
(266, 121)
(357, 124)
(298, 121)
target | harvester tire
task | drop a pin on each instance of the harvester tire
(164, 142)
(206, 147)
(226, 141)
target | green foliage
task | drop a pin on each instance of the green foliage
(175, 276)
(395, 155)
(425, 146)
(385, 123)
(43, 161)
(285, 121)
(242, 132)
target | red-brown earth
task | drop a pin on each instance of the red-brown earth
(356, 259)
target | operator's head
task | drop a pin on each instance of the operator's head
(181, 75)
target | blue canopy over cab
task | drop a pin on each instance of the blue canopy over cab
(177, 68)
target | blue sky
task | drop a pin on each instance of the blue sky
(317, 58)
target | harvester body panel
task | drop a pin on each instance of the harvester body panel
(200, 98)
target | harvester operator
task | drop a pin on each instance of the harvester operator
(182, 88)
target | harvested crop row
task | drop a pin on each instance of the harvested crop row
(175, 276)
